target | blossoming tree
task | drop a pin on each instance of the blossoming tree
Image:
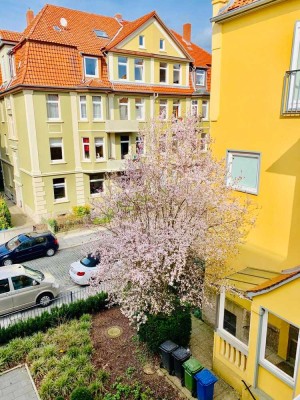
(171, 220)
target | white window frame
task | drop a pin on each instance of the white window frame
(125, 141)
(84, 144)
(139, 67)
(205, 106)
(122, 63)
(123, 103)
(291, 381)
(97, 102)
(238, 187)
(202, 73)
(12, 66)
(163, 103)
(139, 140)
(140, 104)
(96, 180)
(96, 75)
(162, 44)
(176, 103)
(51, 141)
(177, 69)
(164, 69)
(3, 69)
(63, 199)
(82, 103)
(57, 102)
(291, 103)
(99, 140)
(141, 41)
(194, 106)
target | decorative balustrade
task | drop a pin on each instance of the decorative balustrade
(291, 93)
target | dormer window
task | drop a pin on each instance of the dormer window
(142, 41)
(91, 66)
(161, 44)
(200, 77)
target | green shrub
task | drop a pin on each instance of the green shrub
(159, 328)
(60, 398)
(81, 393)
(53, 225)
(81, 211)
(5, 217)
(54, 317)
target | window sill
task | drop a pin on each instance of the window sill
(86, 161)
(83, 120)
(49, 121)
(95, 194)
(162, 51)
(61, 201)
(98, 119)
(91, 76)
(58, 162)
(100, 160)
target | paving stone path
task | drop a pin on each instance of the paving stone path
(16, 384)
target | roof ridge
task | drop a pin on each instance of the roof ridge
(36, 20)
(194, 44)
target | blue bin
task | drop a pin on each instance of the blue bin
(205, 384)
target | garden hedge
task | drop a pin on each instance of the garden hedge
(54, 317)
(159, 328)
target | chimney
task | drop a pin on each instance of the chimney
(29, 16)
(118, 17)
(187, 30)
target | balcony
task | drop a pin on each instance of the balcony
(122, 126)
(291, 93)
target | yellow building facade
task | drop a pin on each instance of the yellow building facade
(255, 123)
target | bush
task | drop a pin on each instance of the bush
(159, 328)
(81, 211)
(5, 217)
(59, 398)
(53, 225)
(53, 317)
(81, 393)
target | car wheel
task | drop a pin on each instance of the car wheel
(8, 261)
(50, 252)
(44, 299)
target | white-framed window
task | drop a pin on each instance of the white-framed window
(294, 86)
(194, 108)
(3, 69)
(243, 171)
(86, 154)
(96, 184)
(163, 72)
(142, 41)
(56, 150)
(83, 107)
(139, 109)
(138, 69)
(122, 68)
(139, 145)
(176, 74)
(176, 108)
(205, 110)
(99, 149)
(236, 320)
(2, 111)
(123, 107)
(97, 107)
(91, 66)
(161, 44)
(163, 108)
(59, 189)
(200, 77)
(204, 141)
(279, 351)
(125, 145)
(52, 101)
(12, 67)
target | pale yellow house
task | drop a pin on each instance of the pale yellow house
(255, 122)
(75, 88)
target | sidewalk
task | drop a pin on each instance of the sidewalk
(77, 237)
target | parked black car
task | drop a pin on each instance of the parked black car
(28, 246)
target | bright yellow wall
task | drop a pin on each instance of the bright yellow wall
(250, 59)
(152, 35)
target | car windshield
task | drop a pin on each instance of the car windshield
(89, 262)
(33, 273)
(16, 241)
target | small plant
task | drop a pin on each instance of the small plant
(81, 393)
(81, 211)
(53, 225)
(59, 398)
(5, 216)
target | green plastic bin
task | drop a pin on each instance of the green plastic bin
(191, 367)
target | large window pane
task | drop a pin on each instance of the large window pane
(243, 171)
(56, 153)
(91, 66)
(236, 321)
(59, 188)
(96, 183)
(122, 67)
(52, 106)
(97, 110)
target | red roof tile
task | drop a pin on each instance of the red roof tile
(273, 283)
(10, 36)
(240, 3)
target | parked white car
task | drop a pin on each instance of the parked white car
(83, 270)
(23, 287)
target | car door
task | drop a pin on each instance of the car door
(25, 291)
(38, 246)
(6, 298)
(23, 251)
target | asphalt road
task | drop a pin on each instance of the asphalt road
(58, 265)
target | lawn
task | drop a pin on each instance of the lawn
(101, 353)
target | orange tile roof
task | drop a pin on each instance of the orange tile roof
(10, 36)
(240, 3)
(272, 283)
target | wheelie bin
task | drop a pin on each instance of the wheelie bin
(205, 384)
(180, 355)
(166, 349)
(191, 367)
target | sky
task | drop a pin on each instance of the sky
(174, 13)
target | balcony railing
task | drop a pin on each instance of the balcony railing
(291, 93)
